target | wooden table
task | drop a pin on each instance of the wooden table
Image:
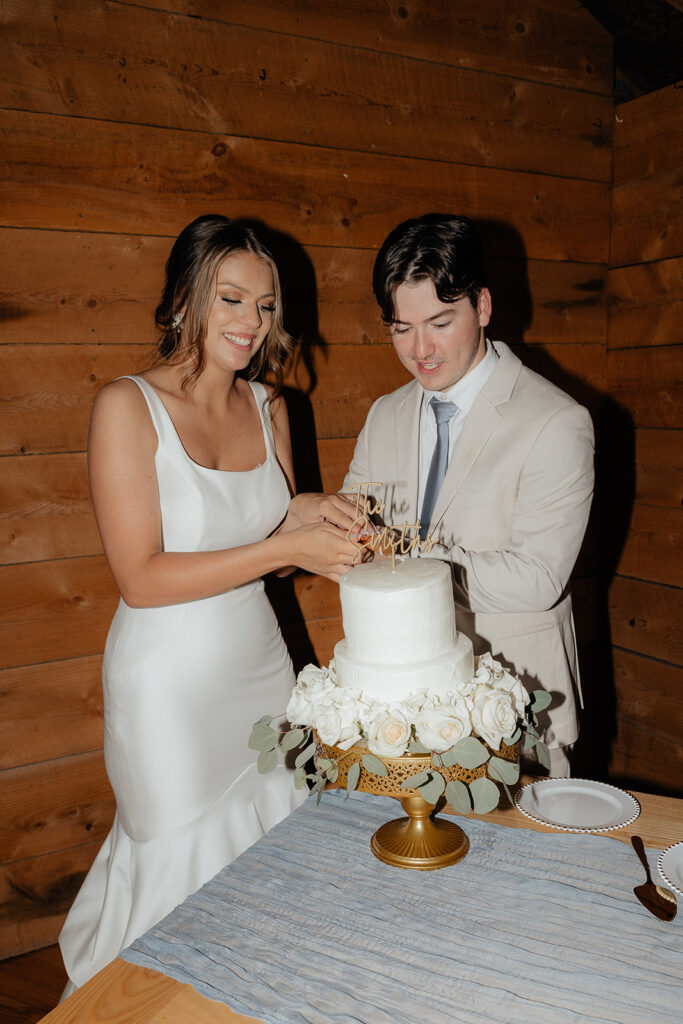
(125, 994)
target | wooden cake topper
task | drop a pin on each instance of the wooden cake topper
(387, 540)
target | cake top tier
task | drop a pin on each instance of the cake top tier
(393, 616)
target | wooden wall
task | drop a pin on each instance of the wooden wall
(332, 121)
(645, 385)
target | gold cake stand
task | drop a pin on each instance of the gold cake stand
(421, 840)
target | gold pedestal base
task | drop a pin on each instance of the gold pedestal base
(417, 841)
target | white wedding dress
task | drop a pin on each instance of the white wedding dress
(183, 685)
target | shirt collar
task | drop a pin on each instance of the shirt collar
(464, 391)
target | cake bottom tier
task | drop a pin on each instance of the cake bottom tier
(395, 682)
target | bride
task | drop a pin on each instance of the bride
(191, 476)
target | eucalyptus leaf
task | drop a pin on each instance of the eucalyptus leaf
(449, 757)
(503, 771)
(415, 747)
(332, 773)
(531, 730)
(353, 776)
(509, 794)
(458, 797)
(511, 740)
(305, 755)
(470, 752)
(436, 760)
(299, 778)
(292, 739)
(373, 765)
(267, 761)
(413, 781)
(322, 763)
(529, 743)
(543, 754)
(263, 740)
(264, 720)
(485, 795)
(540, 700)
(431, 791)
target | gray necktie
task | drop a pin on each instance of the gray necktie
(443, 413)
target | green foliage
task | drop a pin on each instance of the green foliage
(458, 796)
(294, 738)
(305, 755)
(543, 754)
(468, 753)
(353, 776)
(373, 765)
(415, 781)
(267, 761)
(262, 737)
(485, 795)
(540, 700)
(299, 778)
(503, 771)
(431, 790)
(415, 747)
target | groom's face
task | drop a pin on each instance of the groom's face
(438, 342)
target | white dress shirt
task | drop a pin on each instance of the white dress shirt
(463, 393)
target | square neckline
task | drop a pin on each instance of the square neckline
(198, 465)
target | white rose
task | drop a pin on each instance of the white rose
(440, 727)
(328, 724)
(388, 734)
(312, 689)
(346, 706)
(511, 685)
(493, 715)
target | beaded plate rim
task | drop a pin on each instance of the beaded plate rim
(577, 828)
(660, 866)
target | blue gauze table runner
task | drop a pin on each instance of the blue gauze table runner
(307, 927)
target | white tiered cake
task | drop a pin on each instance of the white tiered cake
(400, 633)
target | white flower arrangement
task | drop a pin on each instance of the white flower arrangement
(463, 727)
(488, 706)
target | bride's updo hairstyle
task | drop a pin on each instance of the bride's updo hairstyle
(190, 289)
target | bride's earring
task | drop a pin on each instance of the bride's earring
(177, 321)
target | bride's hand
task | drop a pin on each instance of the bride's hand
(323, 548)
(307, 508)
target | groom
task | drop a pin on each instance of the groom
(495, 461)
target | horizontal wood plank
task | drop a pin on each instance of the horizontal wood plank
(80, 174)
(54, 805)
(645, 618)
(326, 94)
(57, 609)
(649, 693)
(645, 305)
(50, 711)
(647, 219)
(645, 466)
(551, 42)
(45, 508)
(646, 760)
(647, 135)
(47, 392)
(647, 385)
(653, 545)
(103, 288)
(35, 896)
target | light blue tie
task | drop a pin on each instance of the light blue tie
(443, 413)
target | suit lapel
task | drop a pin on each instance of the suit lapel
(483, 418)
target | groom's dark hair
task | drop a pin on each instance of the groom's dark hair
(440, 247)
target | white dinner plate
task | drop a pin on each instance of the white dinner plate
(577, 805)
(670, 864)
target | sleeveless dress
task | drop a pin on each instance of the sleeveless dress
(183, 685)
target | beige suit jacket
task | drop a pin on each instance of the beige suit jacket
(510, 517)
